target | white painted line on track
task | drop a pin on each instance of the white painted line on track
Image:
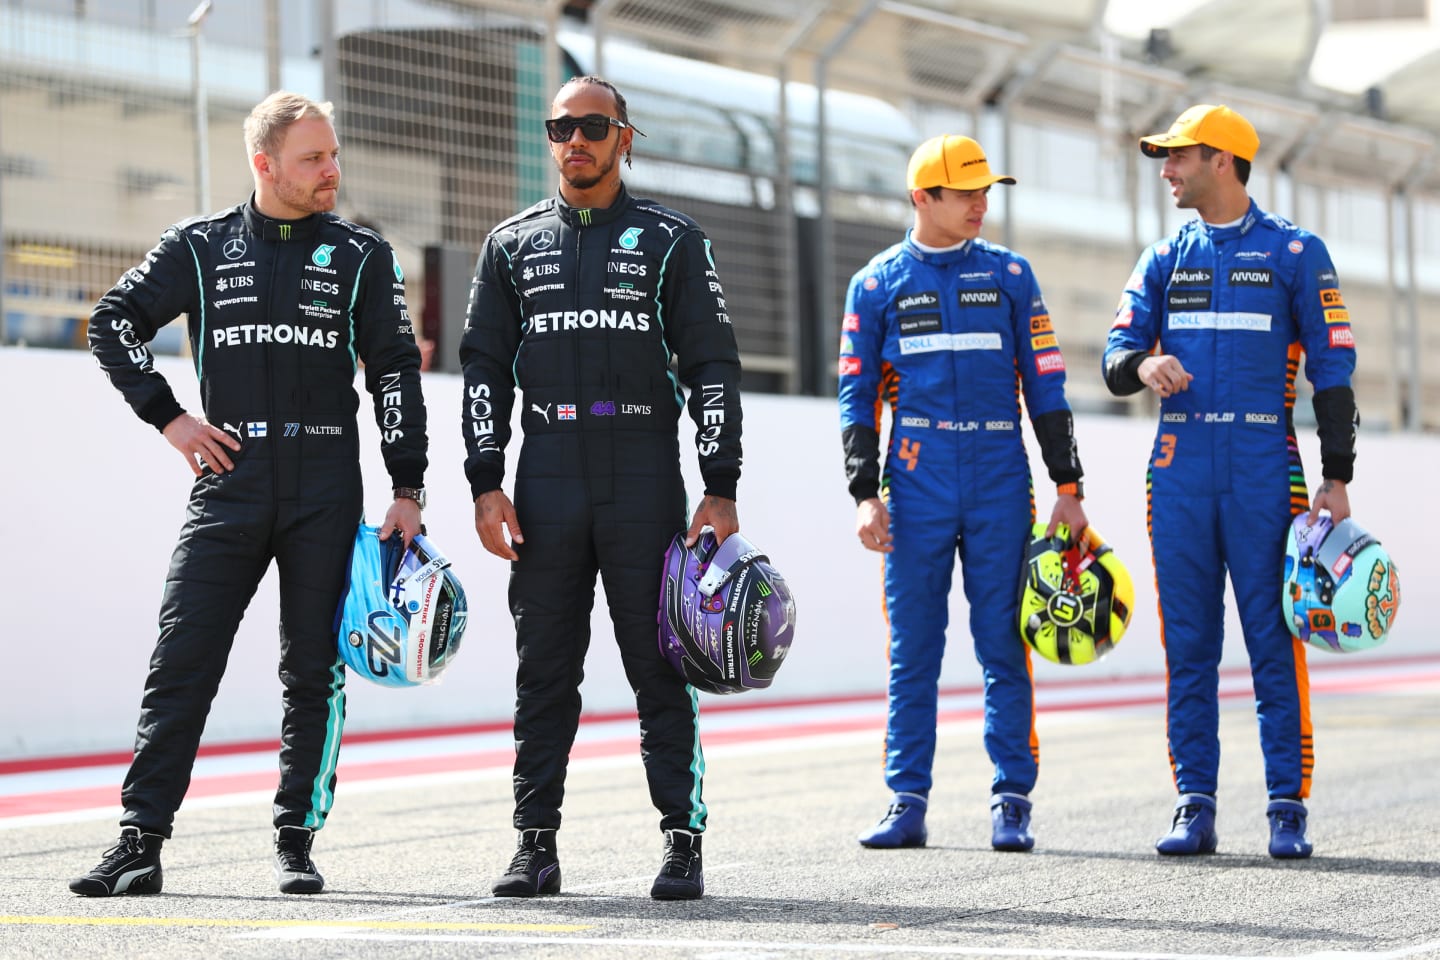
(752, 947)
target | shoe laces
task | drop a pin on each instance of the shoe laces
(294, 856)
(1287, 819)
(896, 811)
(129, 845)
(525, 854)
(1187, 813)
(678, 858)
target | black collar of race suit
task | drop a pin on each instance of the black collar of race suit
(593, 216)
(268, 228)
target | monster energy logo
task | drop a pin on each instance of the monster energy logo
(763, 587)
(284, 231)
(584, 217)
(756, 657)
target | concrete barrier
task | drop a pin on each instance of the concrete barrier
(96, 497)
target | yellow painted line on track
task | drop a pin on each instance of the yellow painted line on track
(324, 924)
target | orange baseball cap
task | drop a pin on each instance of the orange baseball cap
(951, 161)
(1210, 125)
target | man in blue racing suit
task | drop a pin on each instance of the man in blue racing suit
(1214, 320)
(947, 330)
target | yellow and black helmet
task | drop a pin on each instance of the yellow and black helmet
(1075, 599)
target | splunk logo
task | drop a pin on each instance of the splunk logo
(925, 300)
(1196, 277)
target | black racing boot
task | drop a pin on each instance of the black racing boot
(131, 866)
(535, 868)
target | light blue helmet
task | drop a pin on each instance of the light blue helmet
(403, 613)
(1342, 590)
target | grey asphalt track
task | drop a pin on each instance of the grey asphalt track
(409, 866)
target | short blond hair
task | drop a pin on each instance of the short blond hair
(266, 126)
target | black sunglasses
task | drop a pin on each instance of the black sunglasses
(594, 126)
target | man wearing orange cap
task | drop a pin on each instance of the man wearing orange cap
(942, 328)
(1214, 320)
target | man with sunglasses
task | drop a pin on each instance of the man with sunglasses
(582, 301)
(947, 330)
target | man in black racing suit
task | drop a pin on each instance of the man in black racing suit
(581, 301)
(282, 299)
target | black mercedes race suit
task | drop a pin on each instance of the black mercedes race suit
(279, 313)
(583, 310)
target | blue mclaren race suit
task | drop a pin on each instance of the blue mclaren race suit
(947, 341)
(1236, 305)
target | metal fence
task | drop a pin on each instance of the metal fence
(439, 107)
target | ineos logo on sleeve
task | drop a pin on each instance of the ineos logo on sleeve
(234, 248)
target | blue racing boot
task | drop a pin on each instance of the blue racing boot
(1194, 828)
(902, 826)
(1010, 822)
(1287, 830)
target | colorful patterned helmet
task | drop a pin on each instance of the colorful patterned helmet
(726, 615)
(1075, 599)
(1342, 590)
(403, 613)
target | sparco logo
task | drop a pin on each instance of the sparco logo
(1262, 418)
(1251, 278)
(1191, 278)
(979, 298)
(918, 301)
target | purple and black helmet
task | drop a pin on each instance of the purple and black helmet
(726, 615)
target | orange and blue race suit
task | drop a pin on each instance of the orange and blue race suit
(947, 342)
(1237, 305)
